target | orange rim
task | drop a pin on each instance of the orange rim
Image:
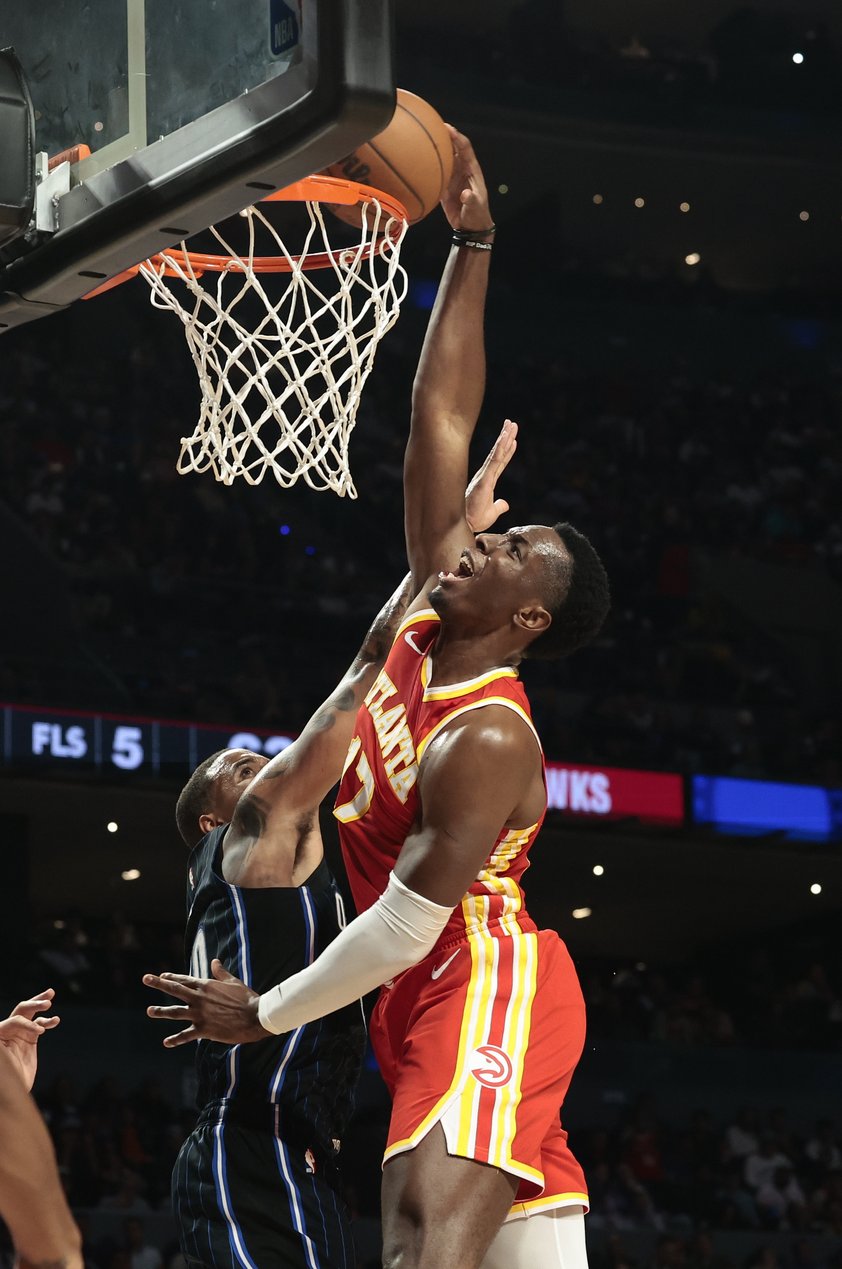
(75, 154)
(174, 262)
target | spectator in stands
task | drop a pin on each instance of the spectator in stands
(742, 1135)
(780, 1200)
(141, 1254)
(761, 1165)
(821, 1150)
(128, 1197)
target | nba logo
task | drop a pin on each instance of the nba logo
(284, 25)
(310, 1161)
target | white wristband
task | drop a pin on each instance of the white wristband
(398, 931)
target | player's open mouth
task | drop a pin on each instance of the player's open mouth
(464, 570)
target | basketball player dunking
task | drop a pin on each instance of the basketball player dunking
(255, 1183)
(480, 1022)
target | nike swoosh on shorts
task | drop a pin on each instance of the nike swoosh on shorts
(439, 970)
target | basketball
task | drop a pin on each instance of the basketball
(412, 160)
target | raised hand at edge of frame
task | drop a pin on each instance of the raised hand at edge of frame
(21, 1031)
(482, 507)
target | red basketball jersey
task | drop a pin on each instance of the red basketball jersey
(377, 803)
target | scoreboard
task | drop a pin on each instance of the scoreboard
(60, 741)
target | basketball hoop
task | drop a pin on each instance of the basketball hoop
(281, 375)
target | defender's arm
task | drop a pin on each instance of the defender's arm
(449, 384)
(436, 866)
(297, 779)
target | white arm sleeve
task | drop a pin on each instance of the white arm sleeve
(396, 932)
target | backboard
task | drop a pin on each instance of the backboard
(192, 110)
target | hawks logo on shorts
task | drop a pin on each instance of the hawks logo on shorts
(491, 1066)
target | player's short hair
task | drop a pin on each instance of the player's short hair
(578, 599)
(195, 799)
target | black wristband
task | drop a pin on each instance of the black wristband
(473, 243)
(472, 235)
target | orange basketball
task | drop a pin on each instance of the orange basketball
(412, 160)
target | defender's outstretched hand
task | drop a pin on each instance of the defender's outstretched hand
(220, 1008)
(21, 1031)
(465, 201)
(482, 507)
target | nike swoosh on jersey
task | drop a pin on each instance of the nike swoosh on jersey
(437, 973)
(410, 638)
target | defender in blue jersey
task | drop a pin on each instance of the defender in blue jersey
(256, 1184)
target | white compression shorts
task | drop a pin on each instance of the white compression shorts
(544, 1240)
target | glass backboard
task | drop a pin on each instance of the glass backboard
(116, 75)
(188, 107)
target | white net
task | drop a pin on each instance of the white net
(282, 359)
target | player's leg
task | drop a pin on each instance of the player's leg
(492, 1067)
(439, 1209)
(551, 1240)
(242, 1196)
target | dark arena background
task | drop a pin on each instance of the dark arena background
(665, 324)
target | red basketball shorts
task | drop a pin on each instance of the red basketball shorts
(483, 1037)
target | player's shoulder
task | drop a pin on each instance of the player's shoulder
(496, 732)
(414, 639)
(419, 617)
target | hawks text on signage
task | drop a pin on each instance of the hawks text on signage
(583, 792)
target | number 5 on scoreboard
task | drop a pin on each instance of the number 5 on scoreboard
(127, 749)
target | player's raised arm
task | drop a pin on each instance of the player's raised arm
(450, 381)
(32, 1201)
(300, 777)
(21, 1031)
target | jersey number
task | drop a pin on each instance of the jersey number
(359, 804)
(199, 956)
